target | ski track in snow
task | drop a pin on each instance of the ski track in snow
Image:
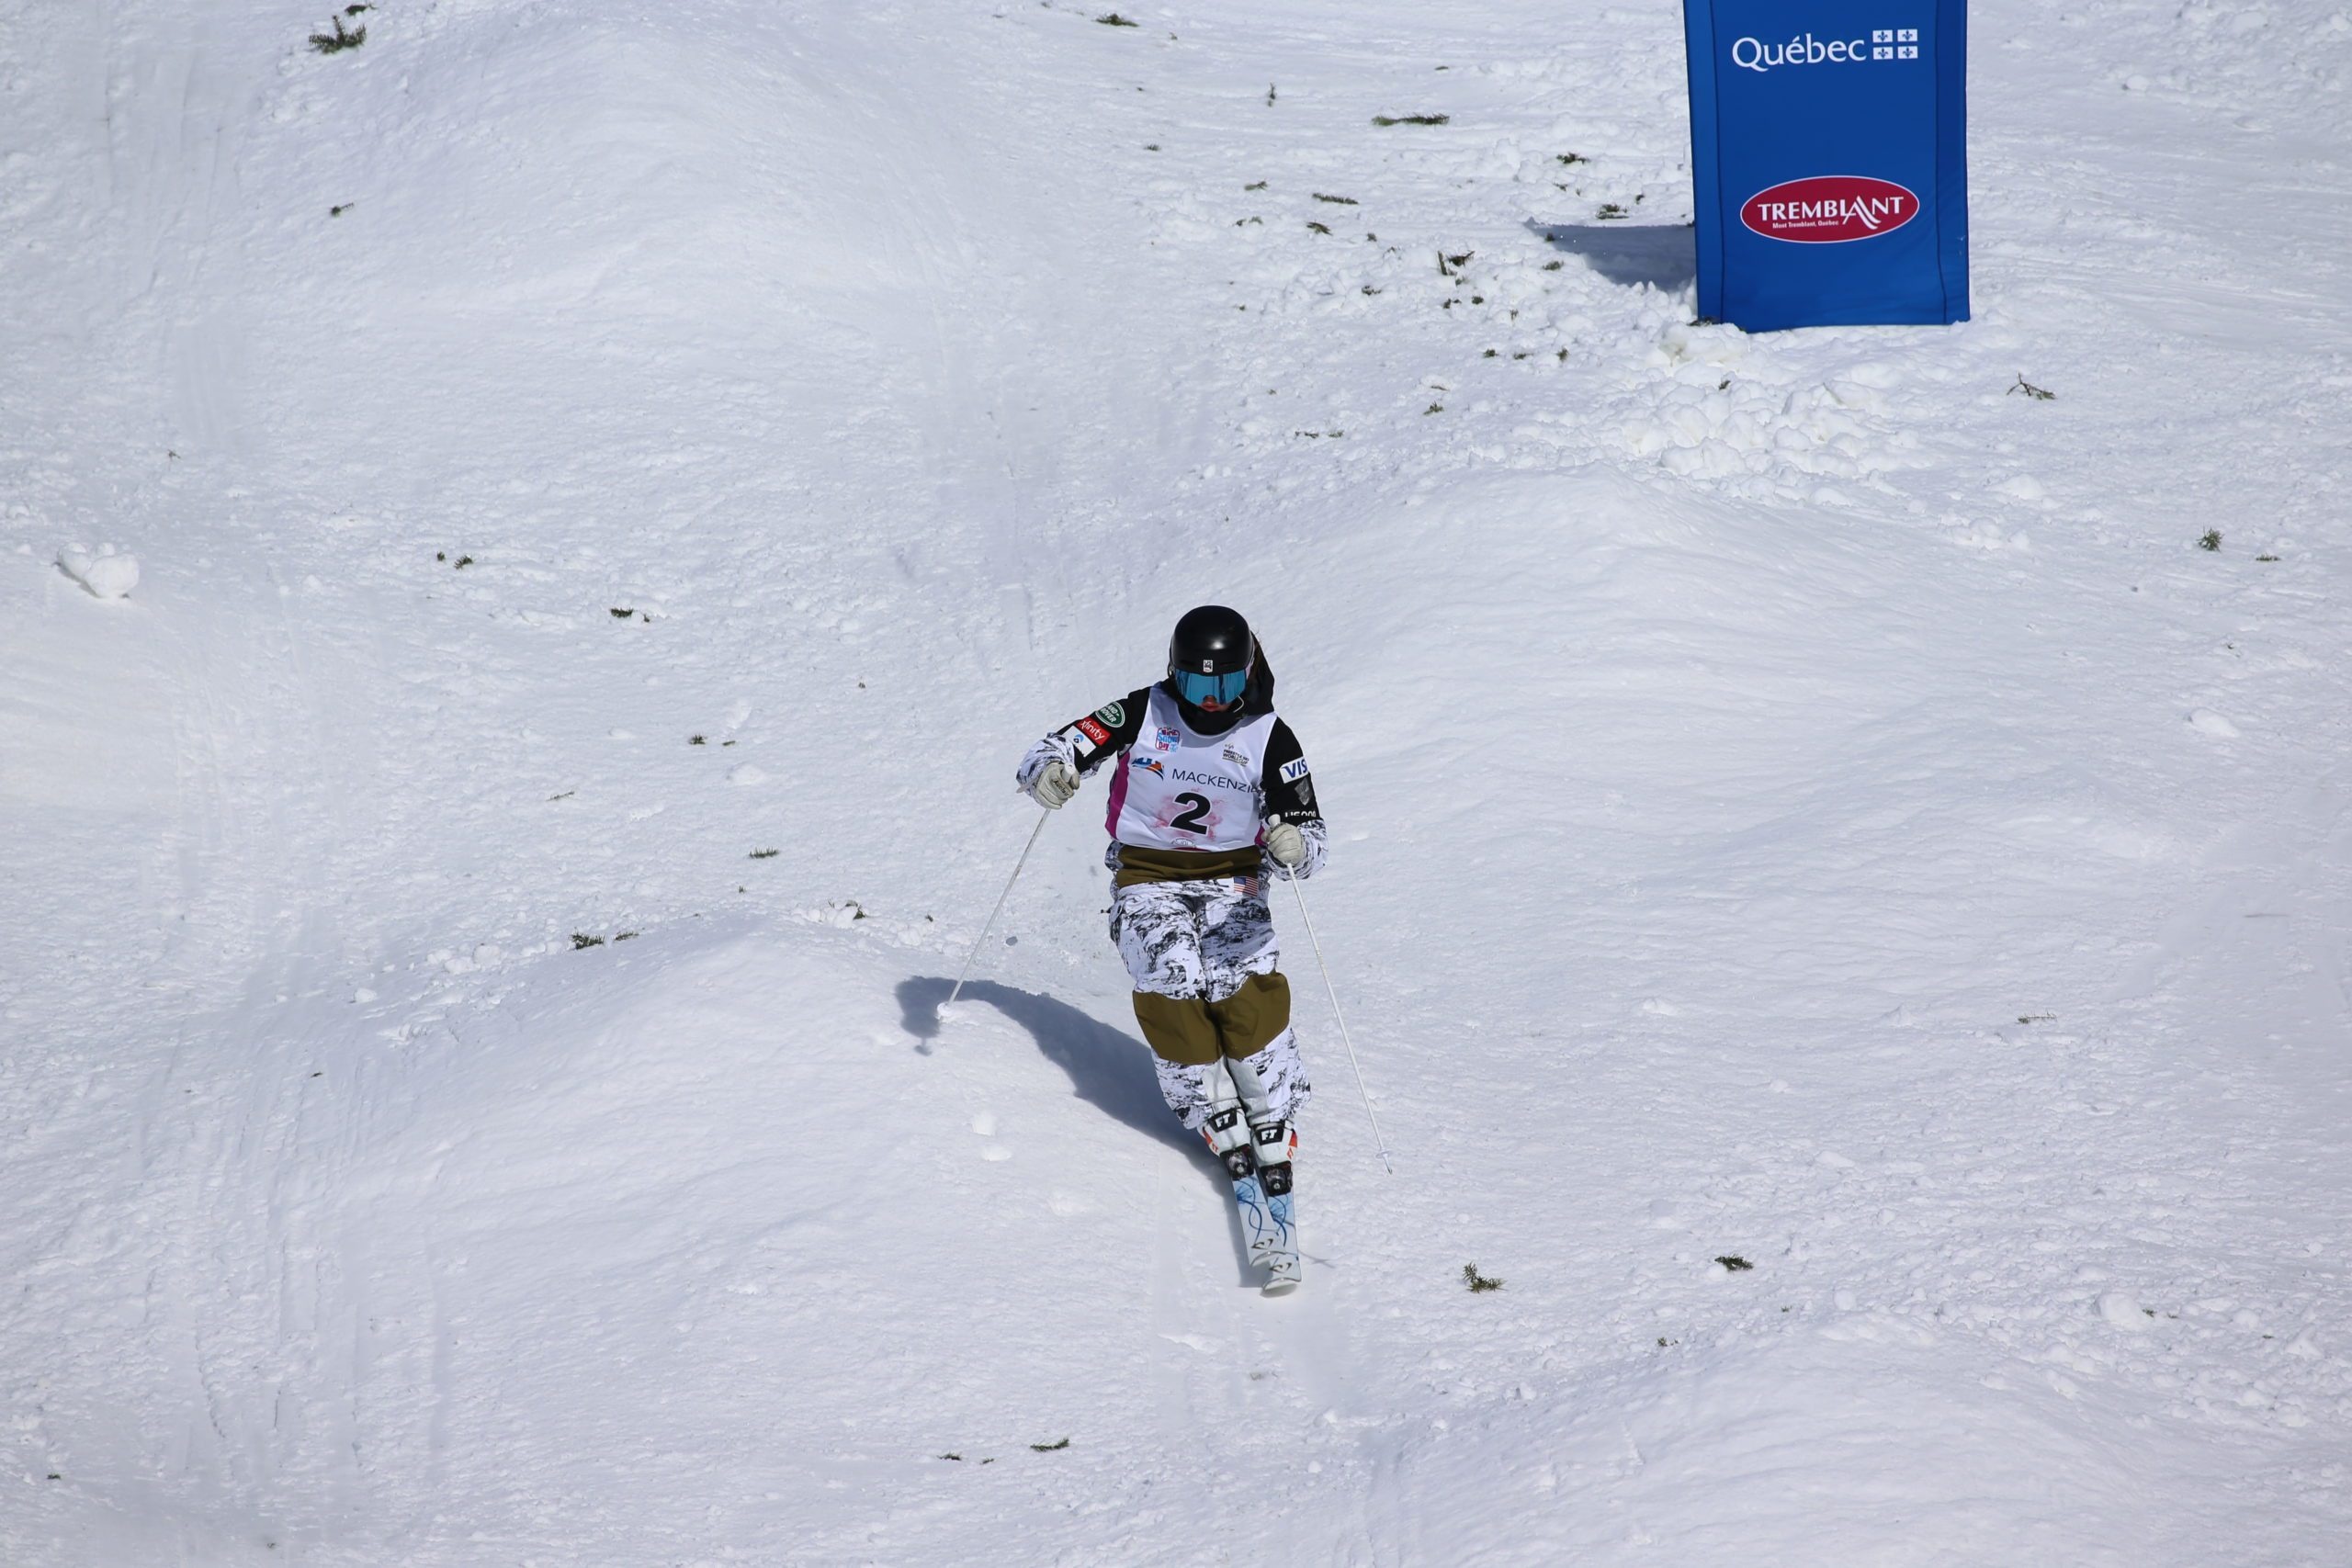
(1794, 797)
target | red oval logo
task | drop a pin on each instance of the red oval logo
(1829, 209)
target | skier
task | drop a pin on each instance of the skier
(1210, 792)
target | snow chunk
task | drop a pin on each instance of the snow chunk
(2123, 1312)
(2206, 721)
(107, 574)
(746, 774)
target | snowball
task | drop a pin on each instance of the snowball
(2206, 721)
(746, 774)
(104, 573)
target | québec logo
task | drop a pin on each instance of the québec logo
(1828, 209)
(1885, 43)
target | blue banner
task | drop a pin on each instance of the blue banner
(1828, 142)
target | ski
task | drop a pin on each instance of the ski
(1279, 1256)
(1256, 1218)
(1262, 1192)
(1266, 1221)
(1280, 1259)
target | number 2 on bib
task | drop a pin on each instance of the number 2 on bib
(1195, 818)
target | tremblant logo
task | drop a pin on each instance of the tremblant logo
(1885, 43)
(1828, 209)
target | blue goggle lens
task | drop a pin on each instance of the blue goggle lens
(1202, 690)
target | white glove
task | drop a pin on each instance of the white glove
(1055, 783)
(1287, 844)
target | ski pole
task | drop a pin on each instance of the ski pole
(973, 957)
(1379, 1141)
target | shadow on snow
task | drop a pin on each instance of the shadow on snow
(1663, 256)
(1109, 1070)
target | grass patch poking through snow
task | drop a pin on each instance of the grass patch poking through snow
(339, 40)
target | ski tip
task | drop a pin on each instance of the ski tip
(1278, 1287)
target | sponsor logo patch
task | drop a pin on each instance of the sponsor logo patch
(1829, 209)
(1167, 739)
(1293, 771)
(1113, 713)
(1149, 764)
(1885, 43)
(1238, 758)
(1093, 731)
(1207, 781)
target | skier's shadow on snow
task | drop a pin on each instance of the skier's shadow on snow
(1109, 1070)
(1664, 255)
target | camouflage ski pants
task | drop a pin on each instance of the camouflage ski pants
(1212, 1005)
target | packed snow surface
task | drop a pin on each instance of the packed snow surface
(1846, 908)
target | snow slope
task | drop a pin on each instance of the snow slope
(1797, 798)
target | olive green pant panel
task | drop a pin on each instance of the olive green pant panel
(1139, 866)
(1250, 1019)
(1177, 1028)
(1193, 1033)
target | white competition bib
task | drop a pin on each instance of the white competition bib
(1180, 790)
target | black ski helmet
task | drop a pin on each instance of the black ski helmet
(1211, 640)
(1210, 657)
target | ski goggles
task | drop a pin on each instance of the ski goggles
(1211, 691)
